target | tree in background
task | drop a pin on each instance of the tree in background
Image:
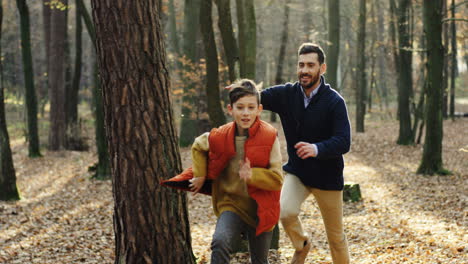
(333, 50)
(361, 68)
(57, 66)
(74, 140)
(405, 79)
(231, 50)
(215, 111)
(8, 189)
(30, 92)
(454, 68)
(102, 167)
(431, 162)
(151, 223)
(247, 37)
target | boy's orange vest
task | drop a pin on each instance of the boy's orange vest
(257, 149)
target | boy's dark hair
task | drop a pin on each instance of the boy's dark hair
(241, 88)
(308, 47)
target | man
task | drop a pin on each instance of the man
(316, 125)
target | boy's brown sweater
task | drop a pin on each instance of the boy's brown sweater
(229, 192)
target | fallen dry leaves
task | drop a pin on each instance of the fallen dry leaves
(65, 217)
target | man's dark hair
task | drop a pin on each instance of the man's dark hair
(308, 47)
(241, 88)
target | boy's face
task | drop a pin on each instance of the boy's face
(244, 112)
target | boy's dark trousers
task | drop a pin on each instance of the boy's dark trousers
(228, 229)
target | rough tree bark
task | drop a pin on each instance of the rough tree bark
(30, 92)
(150, 222)
(431, 162)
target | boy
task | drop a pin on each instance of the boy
(243, 160)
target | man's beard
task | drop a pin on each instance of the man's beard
(313, 80)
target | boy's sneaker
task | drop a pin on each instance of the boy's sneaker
(300, 255)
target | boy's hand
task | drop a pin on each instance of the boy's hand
(196, 184)
(245, 171)
(305, 150)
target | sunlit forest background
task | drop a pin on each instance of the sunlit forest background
(56, 196)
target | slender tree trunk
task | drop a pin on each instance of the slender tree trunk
(381, 57)
(431, 162)
(229, 40)
(150, 222)
(282, 52)
(405, 80)
(454, 70)
(307, 24)
(393, 37)
(247, 37)
(333, 42)
(215, 111)
(173, 29)
(30, 92)
(103, 165)
(189, 124)
(8, 189)
(57, 67)
(46, 16)
(445, 81)
(361, 69)
(74, 141)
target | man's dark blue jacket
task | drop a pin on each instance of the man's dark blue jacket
(324, 122)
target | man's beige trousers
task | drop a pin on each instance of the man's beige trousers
(293, 194)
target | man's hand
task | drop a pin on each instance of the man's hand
(305, 150)
(196, 184)
(245, 171)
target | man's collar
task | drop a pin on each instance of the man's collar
(314, 92)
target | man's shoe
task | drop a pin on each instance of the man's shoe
(300, 255)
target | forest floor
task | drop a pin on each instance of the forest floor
(66, 217)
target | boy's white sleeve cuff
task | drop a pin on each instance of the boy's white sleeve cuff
(316, 149)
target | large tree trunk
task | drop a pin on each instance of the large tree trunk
(188, 123)
(215, 111)
(229, 40)
(361, 68)
(102, 168)
(405, 80)
(432, 154)
(8, 189)
(30, 92)
(57, 67)
(247, 37)
(333, 50)
(150, 222)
